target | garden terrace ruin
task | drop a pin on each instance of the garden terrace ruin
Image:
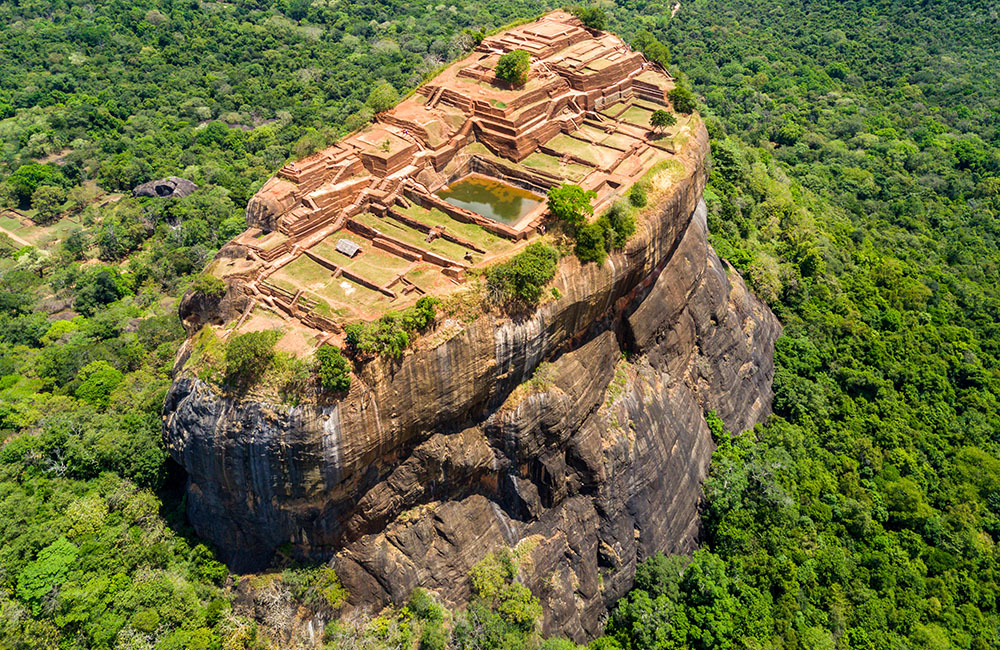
(583, 117)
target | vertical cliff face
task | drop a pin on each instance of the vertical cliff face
(430, 462)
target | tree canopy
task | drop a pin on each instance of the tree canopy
(513, 67)
(571, 204)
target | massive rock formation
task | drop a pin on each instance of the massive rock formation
(430, 462)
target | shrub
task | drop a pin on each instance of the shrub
(558, 643)
(571, 204)
(590, 246)
(249, 355)
(592, 17)
(390, 335)
(383, 97)
(524, 275)
(618, 224)
(495, 585)
(423, 606)
(316, 586)
(637, 195)
(208, 285)
(433, 636)
(333, 370)
(513, 67)
(683, 99)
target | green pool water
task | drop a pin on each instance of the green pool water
(491, 198)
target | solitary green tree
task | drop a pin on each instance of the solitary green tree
(513, 67)
(249, 355)
(662, 119)
(590, 245)
(571, 204)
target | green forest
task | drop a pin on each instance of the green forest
(855, 184)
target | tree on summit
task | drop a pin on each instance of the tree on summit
(591, 17)
(571, 204)
(513, 67)
(683, 99)
(662, 119)
(383, 97)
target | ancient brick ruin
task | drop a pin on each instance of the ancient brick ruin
(582, 117)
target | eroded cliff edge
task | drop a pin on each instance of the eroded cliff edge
(430, 462)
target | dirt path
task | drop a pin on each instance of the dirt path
(677, 7)
(18, 239)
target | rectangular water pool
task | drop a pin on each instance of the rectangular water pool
(491, 198)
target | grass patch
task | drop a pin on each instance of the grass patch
(637, 115)
(469, 231)
(301, 273)
(546, 163)
(619, 381)
(593, 153)
(378, 266)
(395, 229)
(613, 110)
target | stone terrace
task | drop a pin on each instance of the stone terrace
(582, 117)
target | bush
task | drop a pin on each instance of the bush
(513, 67)
(592, 17)
(433, 636)
(249, 355)
(590, 246)
(495, 585)
(571, 204)
(683, 99)
(98, 380)
(558, 643)
(390, 335)
(333, 370)
(524, 275)
(637, 195)
(383, 97)
(208, 285)
(618, 224)
(315, 587)
(424, 607)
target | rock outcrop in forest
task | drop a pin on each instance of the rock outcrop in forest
(575, 431)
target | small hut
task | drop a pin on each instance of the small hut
(347, 247)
